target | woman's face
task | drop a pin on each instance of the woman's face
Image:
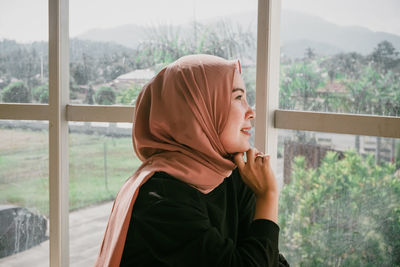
(236, 134)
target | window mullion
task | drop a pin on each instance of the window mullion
(355, 124)
(58, 132)
(24, 112)
(267, 80)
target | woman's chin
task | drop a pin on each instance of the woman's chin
(242, 149)
(237, 147)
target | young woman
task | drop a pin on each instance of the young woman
(194, 201)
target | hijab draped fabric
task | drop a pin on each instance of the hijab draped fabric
(178, 118)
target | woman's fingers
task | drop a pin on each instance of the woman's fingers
(238, 158)
(265, 157)
(250, 154)
(265, 162)
(256, 171)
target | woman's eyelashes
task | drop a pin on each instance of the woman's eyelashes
(239, 97)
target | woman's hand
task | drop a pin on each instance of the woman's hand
(258, 175)
(257, 172)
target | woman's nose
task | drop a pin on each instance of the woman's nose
(250, 114)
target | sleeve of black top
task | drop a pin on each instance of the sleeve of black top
(247, 203)
(180, 234)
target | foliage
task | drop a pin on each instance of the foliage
(80, 73)
(41, 93)
(385, 56)
(346, 65)
(374, 93)
(397, 154)
(249, 76)
(343, 82)
(367, 84)
(309, 54)
(89, 96)
(128, 97)
(299, 82)
(105, 96)
(166, 44)
(16, 92)
(117, 70)
(344, 213)
(227, 41)
(23, 61)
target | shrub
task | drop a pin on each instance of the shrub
(105, 96)
(41, 93)
(16, 92)
(344, 213)
(128, 97)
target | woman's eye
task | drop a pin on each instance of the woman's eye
(239, 97)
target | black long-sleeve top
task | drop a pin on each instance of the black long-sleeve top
(173, 224)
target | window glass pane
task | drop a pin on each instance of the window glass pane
(121, 46)
(101, 159)
(339, 205)
(23, 51)
(335, 58)
(24, 193)
(114, 52)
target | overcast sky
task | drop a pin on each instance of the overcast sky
(26, 20)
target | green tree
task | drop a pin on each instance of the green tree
(344, 213)
(16, 92)
(309, 54)
(249, 77)
(117, 70)
(89, 96)
(385, 56)
(374, 93)
(79, 73)
(41, 93)
(225, 40)
(105, 96)
(348, 65)
(166, 43)
(298, 85)
(128, 97)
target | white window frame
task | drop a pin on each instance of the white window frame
(269, 118)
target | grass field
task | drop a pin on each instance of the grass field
(24, 171)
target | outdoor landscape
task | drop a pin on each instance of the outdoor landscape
(343, 212)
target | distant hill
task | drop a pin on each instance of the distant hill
(298, 31)
(93, 49)
(127, 35)
(24, 61)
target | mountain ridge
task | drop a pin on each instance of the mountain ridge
(298, 32)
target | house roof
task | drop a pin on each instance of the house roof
(142, 74)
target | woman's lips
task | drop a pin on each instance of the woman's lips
(246, 131)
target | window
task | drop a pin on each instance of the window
(339, 200)
(24, 52)
(24, 148)
(334, 59)
(110, 61)
(125, 43)
(24, 192)
(79, 127)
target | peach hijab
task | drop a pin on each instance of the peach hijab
(179, 116)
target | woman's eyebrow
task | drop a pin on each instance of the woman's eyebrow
(238, 89)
